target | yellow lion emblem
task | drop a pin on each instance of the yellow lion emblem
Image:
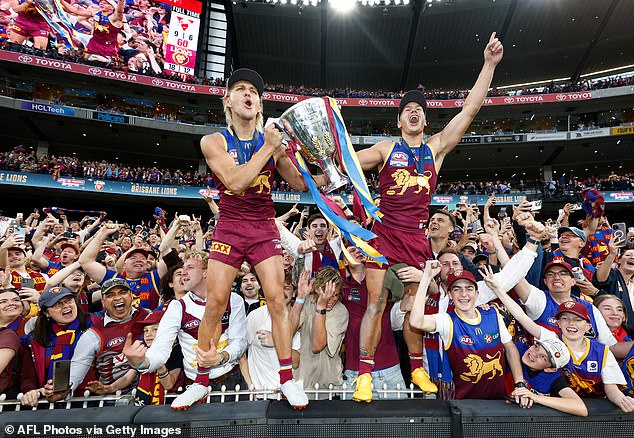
(404, 180)
(262, 180)
(479, 368)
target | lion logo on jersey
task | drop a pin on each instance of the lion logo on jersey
(479, 368)
(262, 180)
(404, 180)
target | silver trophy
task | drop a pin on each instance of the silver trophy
(306, 123)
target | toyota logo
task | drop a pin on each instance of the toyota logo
(459, 102)
(213, 90)
(94, 71)
(508, 100)
(157, 82)
(25, 58)
(363, 102)
(560, 97)
(266, 95)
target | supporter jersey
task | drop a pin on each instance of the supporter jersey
(192, 309)
(355, 299)
(256, 202)
(628, 371)
(584, 374)
(110, 362)
(104, 38)
(406, 195)
(548, 321)
(53, 268)
(476, 355)
(146, 291)
(542, 382)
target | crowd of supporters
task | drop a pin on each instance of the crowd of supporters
(62, 272)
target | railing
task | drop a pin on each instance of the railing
(225, 395)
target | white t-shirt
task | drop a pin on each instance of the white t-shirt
(263, 361)
(536, 303)
(610, 373)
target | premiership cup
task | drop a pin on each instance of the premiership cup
(306, 123)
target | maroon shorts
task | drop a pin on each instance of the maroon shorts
(400, 246)
(237, 241)
(30, 26)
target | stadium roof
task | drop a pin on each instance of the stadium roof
(438, 44)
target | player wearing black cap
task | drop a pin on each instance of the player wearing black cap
(408, 171)
(243, 159)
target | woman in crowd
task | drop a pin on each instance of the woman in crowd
(10, 310)
(613, 310)
(58, 328)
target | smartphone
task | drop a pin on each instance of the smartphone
(502, 213)
(576, 206)
(620, 230)
(535, 205)
(70, 235)
(115, 235)
(473, 226)
(28, 283)
(61, 375)
(20, 232)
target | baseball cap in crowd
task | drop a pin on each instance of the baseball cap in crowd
(152, 318)
(461, 275)
(19, 248)
(52, 296)
(69, 245)
(472, 245)
(556, 350)
(480, 257)
(574, 230)
(135, 251)
(574, 307)
(559, 263)
(113, 3)
(246, 74)
(413, 96)
(112, 283)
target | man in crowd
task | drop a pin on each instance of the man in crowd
(182, 320)
(401, 234)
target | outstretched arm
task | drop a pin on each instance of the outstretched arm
(444, 142)
(417, 317)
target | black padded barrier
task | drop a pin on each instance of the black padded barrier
(394, 419)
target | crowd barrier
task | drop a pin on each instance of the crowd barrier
(411, 417)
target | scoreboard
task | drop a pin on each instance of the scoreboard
(182, 41)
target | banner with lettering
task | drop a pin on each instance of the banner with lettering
(95, 185)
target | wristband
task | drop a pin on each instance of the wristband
(521, 384)
(164, 375)
(495, 251)
(531, 240)
(300, 300)
(141, 367)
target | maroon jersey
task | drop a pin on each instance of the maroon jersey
(255, 203)
(355, 298)
(406, 192)
(110, 362)
(476, 355)
(104, 38)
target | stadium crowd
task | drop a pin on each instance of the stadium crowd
(100, 280)
(19, 159)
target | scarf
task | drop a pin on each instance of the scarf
(439, 368)
(61, 347)
(325, 258)
(597, 248)
(149, 390)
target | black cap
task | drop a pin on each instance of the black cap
(413, 96)
(246, 74)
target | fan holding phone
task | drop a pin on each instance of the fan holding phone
(57, 331)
